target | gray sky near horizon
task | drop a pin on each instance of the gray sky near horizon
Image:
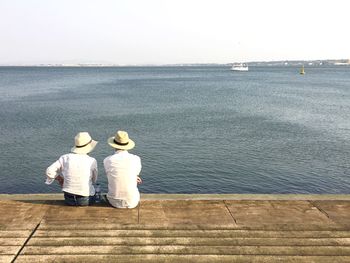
(172, 32)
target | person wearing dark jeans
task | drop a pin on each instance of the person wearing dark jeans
(76, 172)
(78, 200)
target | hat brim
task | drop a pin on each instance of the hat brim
(129, 146)
(88, 148)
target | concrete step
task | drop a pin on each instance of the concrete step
(14, 233)
(190, 250)
(137, 244)
(11, 242)
(192, 241)
(6, 258)
(224, 233)
(148, 258)
(112, 224)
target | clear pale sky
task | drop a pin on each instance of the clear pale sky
(170, 32)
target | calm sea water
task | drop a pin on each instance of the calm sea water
(197, 129)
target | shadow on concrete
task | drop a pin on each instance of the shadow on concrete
(57, 203)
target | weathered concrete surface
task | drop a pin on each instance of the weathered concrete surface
(337, 211)
(40, 228)
(193, 212)
(288, 213)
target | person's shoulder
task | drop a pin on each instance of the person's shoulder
(134, 156)
(108, 158)
(90, 158)
(65, 156)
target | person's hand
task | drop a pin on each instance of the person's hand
(60, 180)
(139, 180)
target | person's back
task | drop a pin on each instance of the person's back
(76, 172)
(78, 175)
(122, 170)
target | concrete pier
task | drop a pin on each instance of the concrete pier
(177, 228)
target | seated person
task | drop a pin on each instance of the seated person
(122, 170)
(76, 172)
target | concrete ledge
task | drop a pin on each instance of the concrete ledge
(177, 228)
(301, 197)
(244, 197)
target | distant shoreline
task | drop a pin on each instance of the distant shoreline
(327, 62)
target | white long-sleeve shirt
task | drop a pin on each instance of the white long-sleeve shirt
(122, 169)
(79, 172)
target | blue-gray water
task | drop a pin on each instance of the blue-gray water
(197, 129)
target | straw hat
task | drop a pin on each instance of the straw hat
(83, 143)
(121, 141)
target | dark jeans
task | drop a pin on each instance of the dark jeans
(78, 200)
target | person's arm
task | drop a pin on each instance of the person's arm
(53, 171)
(60, 180)
(138, 169)
(94, 172)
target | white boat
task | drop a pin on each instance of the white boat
(239, 67)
